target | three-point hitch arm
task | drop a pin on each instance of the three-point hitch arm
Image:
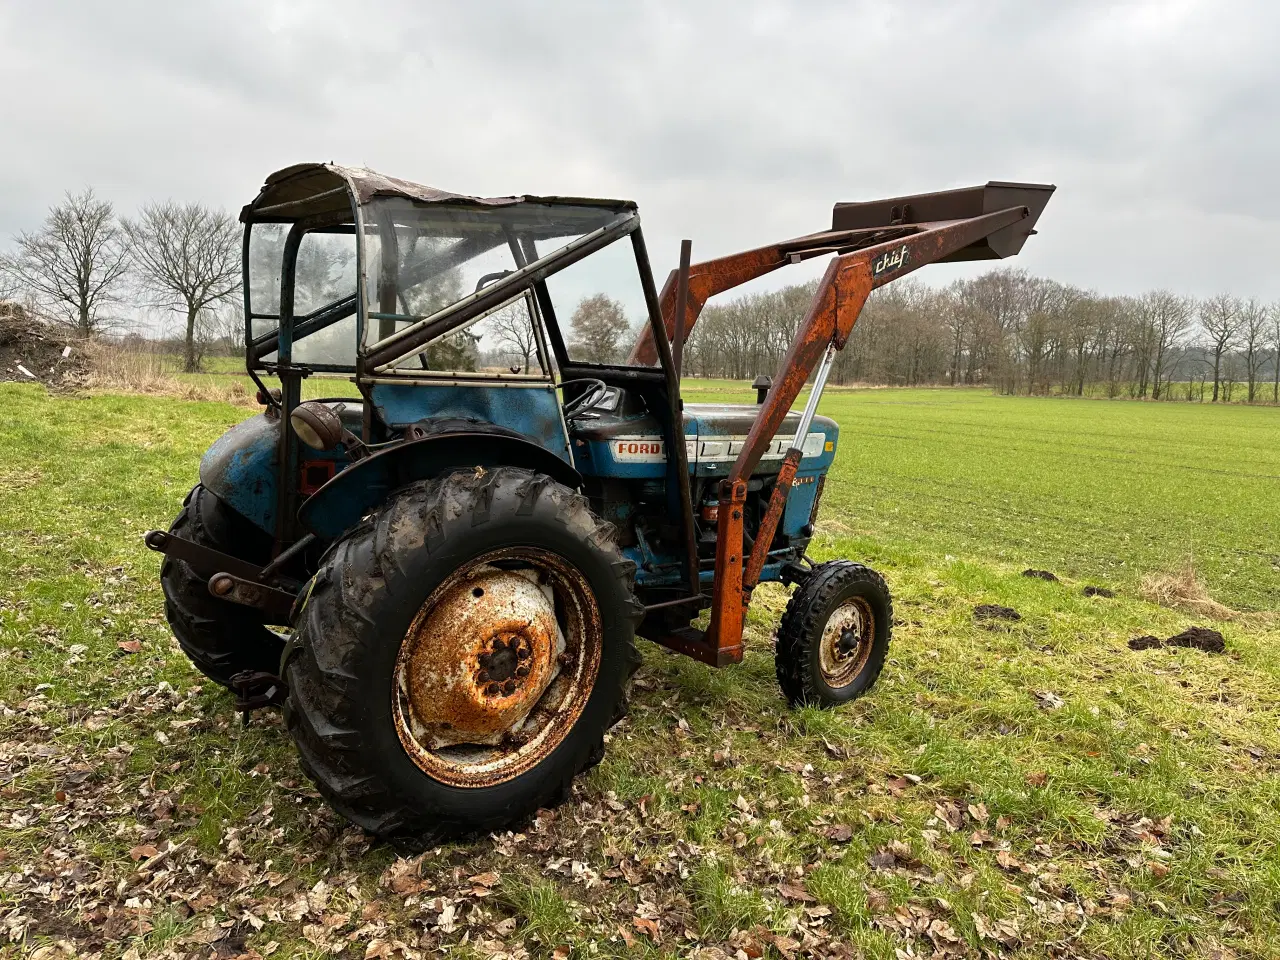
(874, 243)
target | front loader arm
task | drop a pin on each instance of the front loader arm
(839, 300)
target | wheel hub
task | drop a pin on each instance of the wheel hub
(481, 659)
(846, 642)
(496, 667)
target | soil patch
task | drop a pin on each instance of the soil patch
(1147, 642)
(1098, 592)
(993, 611)
(1201, 638)
(1040, 575)
(31, 352)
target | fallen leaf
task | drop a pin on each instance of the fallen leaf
(143, 851)
(795, 891)
(838, 833)
(648, 927)
(129, 646)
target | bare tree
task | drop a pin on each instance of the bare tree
(1220, 317)
(1275, 352)
(513, 329)
(221, 328)
(1253, 327)
(74, 263)
(599, 325)
(188, 256)
(1167, 317)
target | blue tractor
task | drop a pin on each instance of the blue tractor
(440, 571)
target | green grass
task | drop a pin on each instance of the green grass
(1136, 819)
(1091, 488)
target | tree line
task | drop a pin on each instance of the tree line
(1006, 328)
(84, 261)
(1017, 333)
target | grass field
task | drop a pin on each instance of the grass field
(1033, 790)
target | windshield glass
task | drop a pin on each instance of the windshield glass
(419, 260)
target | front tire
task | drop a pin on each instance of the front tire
(219, 637)
(834, 637)
(461, 654)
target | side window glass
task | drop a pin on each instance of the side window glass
(266, 251)
(599, 304)
(325, 273)
(504, 341)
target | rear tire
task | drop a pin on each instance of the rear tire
(219, 637)
(428, 549)
(834, 637)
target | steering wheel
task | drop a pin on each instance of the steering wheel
(589, 397)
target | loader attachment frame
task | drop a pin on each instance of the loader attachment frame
(874, 243)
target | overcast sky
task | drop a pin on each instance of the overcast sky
(733, 123)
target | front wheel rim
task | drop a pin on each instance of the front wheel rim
(497, 667)
(846, 643)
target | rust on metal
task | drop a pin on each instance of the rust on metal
(769, 525)
(496, 667)
(846, 642)
(727, 607)
(841, 295)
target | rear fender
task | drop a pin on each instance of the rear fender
(340, 503)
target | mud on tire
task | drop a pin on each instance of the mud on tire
(373, 586)
(812, 669)
(219, 637)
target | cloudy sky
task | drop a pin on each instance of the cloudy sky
(732, 123)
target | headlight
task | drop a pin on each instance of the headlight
(316, 425)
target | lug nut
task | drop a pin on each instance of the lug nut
(522, 670)
(493, 690)
(509, 687)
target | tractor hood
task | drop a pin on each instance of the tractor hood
(632, 446)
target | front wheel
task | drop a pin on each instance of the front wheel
(219, 637)
(461, 654)
(834, 637)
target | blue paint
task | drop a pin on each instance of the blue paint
(240, 469)
(531, 411)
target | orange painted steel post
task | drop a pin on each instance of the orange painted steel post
(727, 607)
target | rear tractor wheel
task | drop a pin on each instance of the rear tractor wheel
(834, 637)
(461, 654)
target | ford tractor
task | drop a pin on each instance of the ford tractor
(438, 565)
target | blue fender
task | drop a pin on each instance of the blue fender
(240, 470)
(340, 503)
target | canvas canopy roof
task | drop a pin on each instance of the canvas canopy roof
(309, 189)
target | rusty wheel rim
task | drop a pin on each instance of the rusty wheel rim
(496, 667)
(846, 642)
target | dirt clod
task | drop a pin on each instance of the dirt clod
(1145, 642)
(1202, 638)
(1098, 592)
(1040, 575)
(993, 611)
